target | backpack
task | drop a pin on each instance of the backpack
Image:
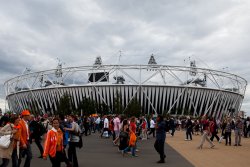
(80, 143)
(132, 139)
(78, 133)
(216, 127)
(42, 128)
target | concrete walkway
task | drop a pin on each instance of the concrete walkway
(98, 152)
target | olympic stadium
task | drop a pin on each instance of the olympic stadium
(176, 90)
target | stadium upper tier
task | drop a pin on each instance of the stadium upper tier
(158, 88)
(129, 75)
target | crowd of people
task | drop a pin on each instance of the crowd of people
(210, 128)
(57, 137)
(61, 132)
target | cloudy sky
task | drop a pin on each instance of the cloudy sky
(34, 33)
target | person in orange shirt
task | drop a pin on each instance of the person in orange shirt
(53, 146)
(25, 148)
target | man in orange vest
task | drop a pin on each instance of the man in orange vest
(24, 139)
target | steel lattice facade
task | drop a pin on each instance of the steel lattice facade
(162, 97)
(159, 98)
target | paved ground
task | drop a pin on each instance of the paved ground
(101, 152)
(220, 156)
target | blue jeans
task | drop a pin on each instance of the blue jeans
(130, 148)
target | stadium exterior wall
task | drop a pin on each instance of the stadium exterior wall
(153, 98)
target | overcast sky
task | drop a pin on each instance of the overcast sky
(34, 33)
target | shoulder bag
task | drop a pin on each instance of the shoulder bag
(5, 140)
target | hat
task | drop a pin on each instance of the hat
(25, 113)
(45, 116)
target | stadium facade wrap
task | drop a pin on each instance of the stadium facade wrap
(158, 88)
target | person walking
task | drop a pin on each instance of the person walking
(35, 134)
(144, 129)
(152, 127)
(123, 136)
(53, 146)
(172, 126)
(105, 127)
(238, 131)
(117, 127)
(189, 127)
(206, 133)
(86, 125)
(214, 129)
(132, 138)
(97, 123)
(227, 129)
(10, 129)
(160, 138)
(24, 139)
(73, 140)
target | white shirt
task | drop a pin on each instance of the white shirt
(74, 138)
(98, 120)
(152, 123)
(27, 128)
(106, 123)
(248, 122)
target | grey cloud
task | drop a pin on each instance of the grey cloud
(10, 63)
(35, 33)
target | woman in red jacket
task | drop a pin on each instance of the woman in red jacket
(53, 145)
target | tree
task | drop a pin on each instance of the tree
(104, 109)
(178, 111)
(88, 106)
(65, 105)
(118, 108)
(166, 115)
(133, 108)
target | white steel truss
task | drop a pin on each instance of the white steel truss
(158, 88)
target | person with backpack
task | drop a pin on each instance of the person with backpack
(36, 131)
(64, 123)
(43, 126)
(132, 138)
(124, 135)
